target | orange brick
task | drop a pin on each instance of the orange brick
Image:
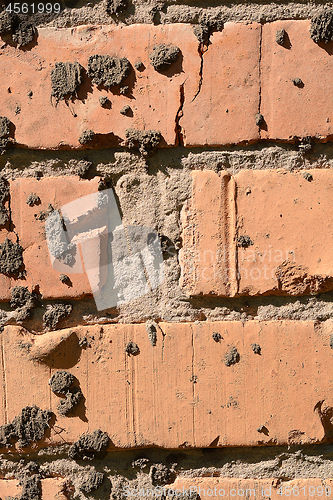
(155, 97)
(270, 489)
(9, 488)
(289, 219)
(248, 403)
(224, 110)
(233, 402)
(291, 110)
(286, 218)
(52, 489)
(209, 247)
(56, 191)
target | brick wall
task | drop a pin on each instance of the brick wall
(166, 238)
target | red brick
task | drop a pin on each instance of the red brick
(154, 101)
(52, 489)
(224, 110)
(181, 392)
(289, 110)
(209, 247)
(56, 191)
(233, 402)
(287, 218)
(270, 489)
(9, 487)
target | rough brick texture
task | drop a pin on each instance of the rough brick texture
(29, 222)
(213, 93)
(258, 232)
(223, 110)
(154, 97)
(303, 109)
(237, 390)
(254, 488)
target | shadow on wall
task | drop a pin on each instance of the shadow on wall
(122, 263)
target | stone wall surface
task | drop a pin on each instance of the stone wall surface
(166, 236)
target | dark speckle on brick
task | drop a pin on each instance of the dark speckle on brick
(280, 37)
(65, 279)
(259, 119)
(217, 336)
(32, 200)
(139, 66)
(132, 348)
(307, 176)
(104, 101)
(232, 357)
(86, 136)
(125, 110)
(244, 241)
(298, 82)
(256, 348)
(263, 429)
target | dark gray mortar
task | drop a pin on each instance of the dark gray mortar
(90, 445)
(54, 314)
(321, 29)
(27, 428)
(24, 33)
(91, 481)
(145, 141)
(108, 71)
(11, 258)
(66, 79)
(61, 381)
(163, 56)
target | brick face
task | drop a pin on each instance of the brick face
(278, 242)
(219, 393)
(224, 110)
(56, 191)
(52, 489)
(290, 110)
(208, 257)
(154, 97)
(213, 95)
(273, 489)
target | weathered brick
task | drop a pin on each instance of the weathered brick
(55, 191)
(289, 220)
(279, 242)
(208, 257)
(52, 489)
(154, 97)
(224, 109)
(273, 489)
(214, 105)
(219, 393)
(303, 109)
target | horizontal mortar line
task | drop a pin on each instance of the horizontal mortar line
(84, 154)
(207, 455)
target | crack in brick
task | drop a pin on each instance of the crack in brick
(178, 129)
(259, 74)
(4, 383)
(201, 52)
(193, 377)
